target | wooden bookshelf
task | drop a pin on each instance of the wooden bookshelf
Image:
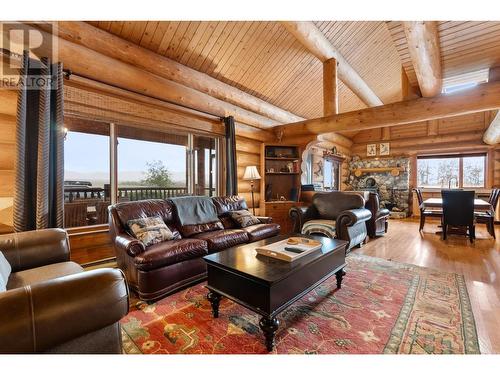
(280, 183)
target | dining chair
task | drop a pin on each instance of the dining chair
(458, 211)
(488, 217)
(425, 212)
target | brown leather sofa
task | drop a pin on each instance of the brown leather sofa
(347, 210)
(51, 305)
(164, 268)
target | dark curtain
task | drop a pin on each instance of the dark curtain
(39, 196)
(231, 166)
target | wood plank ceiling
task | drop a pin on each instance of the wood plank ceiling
(263, 59)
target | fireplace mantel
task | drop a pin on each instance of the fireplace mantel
(394, 171)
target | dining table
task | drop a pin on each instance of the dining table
(479, 204)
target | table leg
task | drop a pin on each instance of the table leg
(214, 299)
(269, 327)
(339, 275)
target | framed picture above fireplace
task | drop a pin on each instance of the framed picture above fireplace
(371, 150)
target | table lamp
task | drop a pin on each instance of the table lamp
(251, 174)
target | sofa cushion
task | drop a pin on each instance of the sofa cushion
(261, 231)
(191, 230)
(170, 252)
(147, 208)
(44, 273)
(223, 239)
(243, 218)
(150, 230)
(229, 203)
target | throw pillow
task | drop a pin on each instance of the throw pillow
(150, 230)
(243, 218)
(5, 270)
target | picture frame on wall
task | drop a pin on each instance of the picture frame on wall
(371, 150)
(384, 148)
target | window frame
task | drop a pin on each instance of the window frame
(460, 158)
(113, 165)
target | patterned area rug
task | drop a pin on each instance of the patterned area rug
(383, 307)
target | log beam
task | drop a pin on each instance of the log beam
(484, 97)
(113, 46)
(425, 54)
(330, 88)
(316, 42)
(89, 63)
(494, 74)
(492, 135)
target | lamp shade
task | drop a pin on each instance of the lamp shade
(251, 173)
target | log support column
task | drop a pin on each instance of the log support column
(330, 88)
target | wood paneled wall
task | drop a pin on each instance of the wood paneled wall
(8, 106)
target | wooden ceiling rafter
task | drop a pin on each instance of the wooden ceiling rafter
(481, 98)
(425, 54)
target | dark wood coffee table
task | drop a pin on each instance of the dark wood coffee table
(268, 286)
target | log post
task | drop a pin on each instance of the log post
(423, 45)
(330, 88)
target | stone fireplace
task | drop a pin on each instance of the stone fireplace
(379, 175)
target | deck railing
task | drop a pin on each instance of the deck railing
(77, 193)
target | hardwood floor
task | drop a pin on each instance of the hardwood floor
(478, 262)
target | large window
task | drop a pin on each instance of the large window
(149, 164)
(453, 171)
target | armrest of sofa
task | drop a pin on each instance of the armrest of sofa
(25, 250)
(128, 244)
(53, 312)
(351, 217)
(265, 219)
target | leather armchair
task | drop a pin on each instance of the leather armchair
(347, 210)
(52, 305)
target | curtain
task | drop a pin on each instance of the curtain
(231, 166)
(39, 195)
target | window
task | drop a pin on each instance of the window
(205, 165)
(149, 164)
(465, 81)
(453, 171)
(86, 174)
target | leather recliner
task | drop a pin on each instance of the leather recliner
(161, 269)
(347, 210)
(51, 305)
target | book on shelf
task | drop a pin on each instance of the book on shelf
(290, 249)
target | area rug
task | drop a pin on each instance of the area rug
(383, 307)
